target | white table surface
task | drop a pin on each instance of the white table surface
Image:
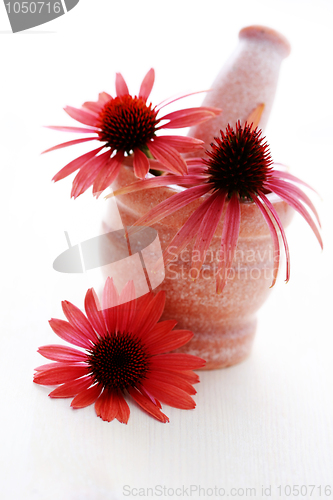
(263, 423)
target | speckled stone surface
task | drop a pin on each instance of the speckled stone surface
(223, 325)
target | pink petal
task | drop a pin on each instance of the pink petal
(293, 191)
(188, 117)
(78, 320)
(88, 173)
(73, 129)
(65, 331)
(170, 342)
(147, 84)
(140, 164)
(60, 374)
(70, 143)
(300, 209)
(95, 107)
(147, 405)
(94, 313)
(279, 174)
(62, 353)
(154, 182)
(276, 218)
(229, 240)
(207, 228)
(86, 117)
(107, 405)
(175, 202)
(170, 394)
(177, 97)
(127, 308)
(172, 379)
(121, 87)
(176, 362)
(104, 97)
(180, 143)
(123, 410)
(72, 388)
(168, 156)
(150, 317)
(75, 164)
(188, 231)
(275, 239)
(159, 331)
(108, 173)
(110, 301)
(86, 397)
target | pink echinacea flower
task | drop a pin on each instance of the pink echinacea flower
(124, 352)
(127, 126)
(237, 169)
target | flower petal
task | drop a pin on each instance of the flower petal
(255, 116)
(154, 182)
(86, 397)
(274, 235)
(170, 205)
(147, 84)
(127, 308)
(170, 394)
(75, 164)
(140, 164)
(150, 316)
(173, 379)
(207, 228)
(180, 143)
(72, 388)
(67, 332)
(95, 107)
(168, 156)
(107, 405)
(61, 353)
(176, 362)
(110, 301)
(188, 117)
(70, 143)
(94, 312)
(147, 405)
(78, 320)
(276, 218)
(170, 342)
(123, 410)
(60, 374)
(121, 86)
(104, 97)
(88, 173)
(86, 117)
(161, 329)
(108, 173)
(230, 233)
(73, 129)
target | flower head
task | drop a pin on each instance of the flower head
(124, 351)
(238, 168)
(127, 126)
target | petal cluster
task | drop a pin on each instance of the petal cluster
(122, 351)
(221, 199)
(127, 125)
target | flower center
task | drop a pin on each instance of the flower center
(239, 161)
(127, 123)
(118, 361)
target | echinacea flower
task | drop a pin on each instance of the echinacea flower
(124, 352)
(127, 125)
(237, 169)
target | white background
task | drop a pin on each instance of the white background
(267, 421)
